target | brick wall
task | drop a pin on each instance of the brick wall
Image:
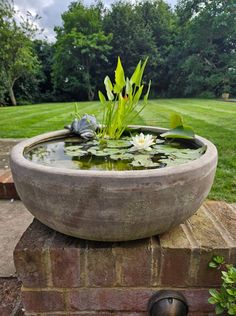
(7, 186)
(62, 275)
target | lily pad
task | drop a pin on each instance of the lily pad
(76, 153)
(190, 154)
(73, 147)
(98, 153)
(125, 156)
(121, 143)
(92, 142)
(166, 149)
(173, 162)
(183, 156)
(144, 161)
(113, 151)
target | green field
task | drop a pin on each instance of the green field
(212, 119)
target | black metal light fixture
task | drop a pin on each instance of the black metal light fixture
(167, 303)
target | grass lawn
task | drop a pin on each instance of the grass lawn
(212, 119)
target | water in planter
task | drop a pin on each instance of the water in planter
(117, 155)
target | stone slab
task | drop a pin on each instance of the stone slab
(14, 220)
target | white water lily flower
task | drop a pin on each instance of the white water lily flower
(142, 142)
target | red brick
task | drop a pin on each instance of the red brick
(205, 276)
(7, 187)
(131, 300)
(175, 258)
(65, 267)
(175, 267)
(31, 267)
(109, 299)
(131, 314)
(65, 254)
(31, 256)
(5, 310)
(134, 263)
(47, 314)
(232, 256)
(101, 264)
(43, 301)
(90, 313)
(10, 191)
(2, 192)
(201, 314)
(197, 300)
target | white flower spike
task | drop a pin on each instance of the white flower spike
(142, 142)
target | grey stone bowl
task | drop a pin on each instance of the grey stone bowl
(112, 205)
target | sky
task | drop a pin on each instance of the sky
(50, 12)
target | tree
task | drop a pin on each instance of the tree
(159, 19)
(205, 47)
(81, 51)
(45, 52)
(17, 58)
(142, 30)
(132, 39)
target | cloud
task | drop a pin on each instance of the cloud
(50, 12)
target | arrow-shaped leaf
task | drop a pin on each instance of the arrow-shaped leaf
(185, 132)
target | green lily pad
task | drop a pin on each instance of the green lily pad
(98, 153)
(173, 162)
(125, 156)
(76, 153)
(161, 149)
(143, 161)
(189, 154)
(92, 142)
(166, 149)
(93, 148)
(183, 156)
(113, 151)
(121, 143)
(73, 147)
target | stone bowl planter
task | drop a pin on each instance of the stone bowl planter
(112, 205)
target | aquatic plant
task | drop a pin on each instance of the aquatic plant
(142, 142)
(110, 139)
(122, 103)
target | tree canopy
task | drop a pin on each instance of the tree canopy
(191, 49)
(17, 58)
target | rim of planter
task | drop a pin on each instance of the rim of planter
(17, 155)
